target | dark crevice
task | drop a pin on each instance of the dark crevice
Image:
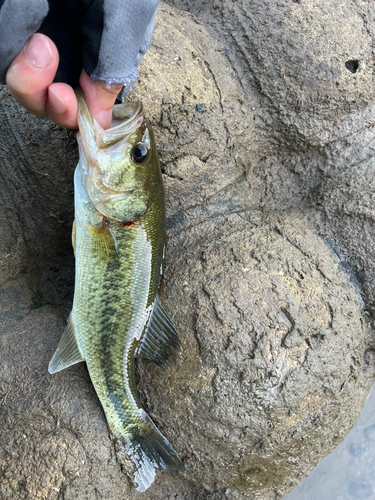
(352, 65)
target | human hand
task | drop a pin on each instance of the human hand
(107, 39)
(29, 80)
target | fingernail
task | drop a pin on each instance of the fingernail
(38, 51)
(56, 102)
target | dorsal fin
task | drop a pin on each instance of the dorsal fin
(160, 342)
(67, 353)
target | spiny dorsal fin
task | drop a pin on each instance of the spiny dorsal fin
(67, 353)
(160, 342)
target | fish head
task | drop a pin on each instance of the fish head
(119, 166)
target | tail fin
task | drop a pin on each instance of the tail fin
(150, 451)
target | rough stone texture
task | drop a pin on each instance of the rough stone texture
(273, 345)
(277, 359)
(306, 68)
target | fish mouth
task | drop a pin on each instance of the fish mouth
(125, 113)
(126, 119)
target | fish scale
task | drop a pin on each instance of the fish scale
(119, 239)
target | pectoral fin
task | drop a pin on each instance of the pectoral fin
(160, 342)
(67, 353)
(104, 241)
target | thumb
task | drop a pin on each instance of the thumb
(99, 98)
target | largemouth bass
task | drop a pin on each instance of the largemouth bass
(119, 239)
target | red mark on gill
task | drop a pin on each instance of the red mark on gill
(110, 224)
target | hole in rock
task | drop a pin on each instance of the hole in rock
(352, 66)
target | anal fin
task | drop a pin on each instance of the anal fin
(160, 342)
(67, 353)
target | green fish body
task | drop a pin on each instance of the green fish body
(119, 239)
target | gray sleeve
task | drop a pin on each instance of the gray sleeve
(128, 26)
(107, 37)
(19, 19)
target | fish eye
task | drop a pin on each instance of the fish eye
(140, 153)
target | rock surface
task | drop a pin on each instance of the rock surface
(273, 345)
(264, 145)
(306, 70)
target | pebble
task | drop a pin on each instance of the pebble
(201, 108)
